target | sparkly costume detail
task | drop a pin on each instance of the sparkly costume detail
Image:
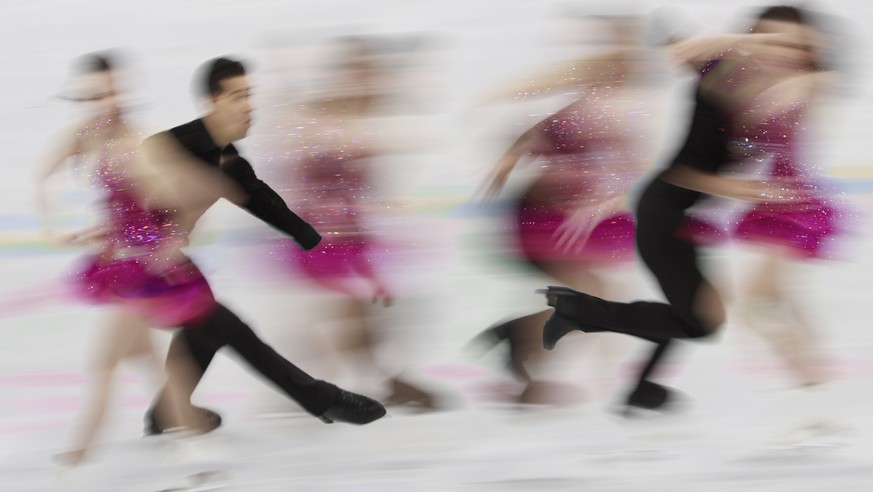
(587, 163)
(136, 239)
(810, 218)
(325, 177)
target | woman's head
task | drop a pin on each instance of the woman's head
(95, 84)
(356, 61)
(800, 43)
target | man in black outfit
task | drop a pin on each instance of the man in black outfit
(209, 141)
(694, 308)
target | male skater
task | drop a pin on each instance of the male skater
(209, 140)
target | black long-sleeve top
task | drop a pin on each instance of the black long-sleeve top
(706, 145)
(264, 203)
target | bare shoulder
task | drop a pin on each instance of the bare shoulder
(810, 83)
(161, 143)
(160, 138)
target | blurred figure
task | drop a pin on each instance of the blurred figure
(332, 139)
(138, 267)
(803, 227)
(722, 100)
(572, 222)
(208, 141)
(804, 219)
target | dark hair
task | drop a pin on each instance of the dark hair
(784, 13)
(94, 63)
(837, 52)
(214, 71)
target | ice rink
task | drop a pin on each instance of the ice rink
(452, 277)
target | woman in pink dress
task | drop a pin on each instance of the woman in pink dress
(572, 222)
(330, 143)
(805, 220)
(137, 267)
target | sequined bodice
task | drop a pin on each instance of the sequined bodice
(587, 149)
(129, 224)
(776, 137)
(333, 189)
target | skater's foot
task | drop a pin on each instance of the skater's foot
(555, 329)
(71, 458)
(354, 409)
(558, 325)
(520, 345)
(209, 420)
(649, 396)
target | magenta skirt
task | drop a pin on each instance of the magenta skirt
(338, 263)
(611, 239)
(806, 228)
(180, 296)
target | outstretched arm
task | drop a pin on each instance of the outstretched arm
(264, 203)
(698, 51)
(526, 145)
(725, 186)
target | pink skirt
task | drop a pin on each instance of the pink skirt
(338, 263)
(611, 239)
(180, 296)
(807, 228)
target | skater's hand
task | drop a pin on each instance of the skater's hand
(573, 233)
(163, 261)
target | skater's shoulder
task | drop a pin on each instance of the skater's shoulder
(193, 134)
(192, 137)
(164, 145)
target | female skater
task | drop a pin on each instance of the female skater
(326, 161)
(802, 229)
(137, 267)
(572, 222)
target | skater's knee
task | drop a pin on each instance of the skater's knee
(703, 332)
(103, 367)
(706, 327)
(708, 309)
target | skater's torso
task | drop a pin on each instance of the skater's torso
(263, 202)
(586, 151)
(133, 223)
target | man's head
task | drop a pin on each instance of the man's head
(223, 83)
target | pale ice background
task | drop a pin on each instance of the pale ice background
(454, 284)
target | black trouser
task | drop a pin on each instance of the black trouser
(200, 342)
(671, 259)
(674, 263)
